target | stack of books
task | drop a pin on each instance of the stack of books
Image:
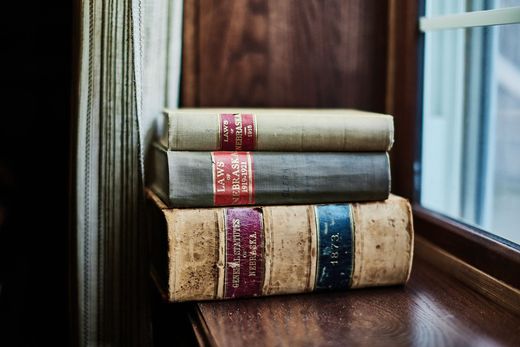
(260, 202)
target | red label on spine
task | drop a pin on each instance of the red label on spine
(237, 132)
(233, 178)
(244, 252)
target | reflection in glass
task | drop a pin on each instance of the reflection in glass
(471, 127)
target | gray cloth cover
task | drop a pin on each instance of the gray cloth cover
(185, 179)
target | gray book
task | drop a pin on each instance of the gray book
(206, 179)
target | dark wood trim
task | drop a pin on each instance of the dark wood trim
(402, 91)
(490, 287)
(311, 54)
(467, 243)
(190, 55)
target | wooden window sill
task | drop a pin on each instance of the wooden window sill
(434, 308)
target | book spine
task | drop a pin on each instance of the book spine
(206, 179)
(223, 253)
(289, 131)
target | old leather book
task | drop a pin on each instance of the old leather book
(206, 179)
(222, 253)
(285, 130)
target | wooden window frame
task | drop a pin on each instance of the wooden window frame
(471, 245)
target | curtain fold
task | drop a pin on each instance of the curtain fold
(128, 71)
(111, 253)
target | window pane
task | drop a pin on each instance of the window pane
(506, 175)
(471, 127)
(444, 7)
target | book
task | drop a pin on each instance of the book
(223, 253)
(207, 179)
(285, 130)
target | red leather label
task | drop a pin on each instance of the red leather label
(233, 178)
(237, 132)
(244, 252)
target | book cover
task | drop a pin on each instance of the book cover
(288, 130)
(223, 253)
(207, 179)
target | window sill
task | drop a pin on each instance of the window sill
(476, 249)
(433, 306)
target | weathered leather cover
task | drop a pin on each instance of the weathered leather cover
(186, 179)
(191, 256)
(288, 130)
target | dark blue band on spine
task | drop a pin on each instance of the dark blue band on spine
(335, 248)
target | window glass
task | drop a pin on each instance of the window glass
(471, 126)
